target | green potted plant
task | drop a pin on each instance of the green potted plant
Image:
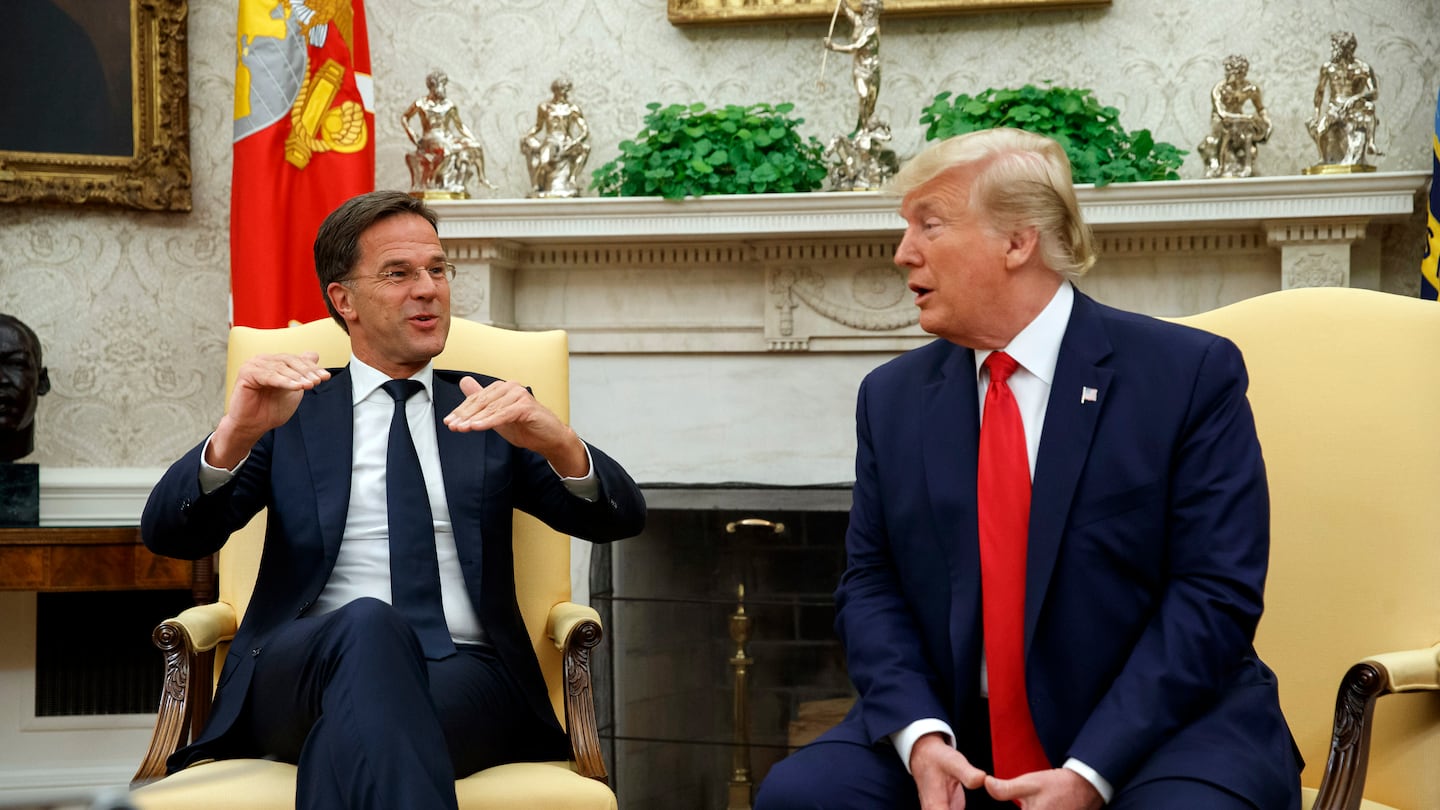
(689, 151)
(1100, 149)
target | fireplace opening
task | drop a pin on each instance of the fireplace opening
(701, 690)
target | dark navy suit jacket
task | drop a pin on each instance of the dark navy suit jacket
(301, 472)
(1149, 542)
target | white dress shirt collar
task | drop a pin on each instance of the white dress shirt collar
(1037, 347)
(365, 379)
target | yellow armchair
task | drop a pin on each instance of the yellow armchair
(1345, 385)
(563, 633)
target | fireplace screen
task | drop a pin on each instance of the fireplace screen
(699, 696)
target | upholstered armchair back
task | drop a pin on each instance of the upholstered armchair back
(1345, 385)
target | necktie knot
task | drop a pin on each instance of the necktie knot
(401, 390)
(1001, 366)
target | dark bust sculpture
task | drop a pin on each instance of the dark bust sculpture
(23, 380)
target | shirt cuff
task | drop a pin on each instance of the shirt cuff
(211, 477)
(1093, 777)
(904, 740)
(586, 487)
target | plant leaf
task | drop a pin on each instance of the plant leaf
(1099, 148)
(688, 150)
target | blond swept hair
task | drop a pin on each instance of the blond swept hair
(1022, 180)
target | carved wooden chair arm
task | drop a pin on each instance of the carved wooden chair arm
(1343, 784)
(207, 625)
(188, 644)
(565, 618)
(575, 629)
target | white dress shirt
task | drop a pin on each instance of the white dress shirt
(362, 565)
(1037, 349)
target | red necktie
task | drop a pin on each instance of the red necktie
(1003, 502)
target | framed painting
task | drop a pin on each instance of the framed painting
(686, 12)
(94, 104)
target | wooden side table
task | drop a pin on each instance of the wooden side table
(95, 559)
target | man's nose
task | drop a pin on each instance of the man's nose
(905, 253)
(424, 287)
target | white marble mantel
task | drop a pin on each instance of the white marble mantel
(812, 272)
(1187, 204)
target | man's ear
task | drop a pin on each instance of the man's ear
(341, 299)
(1022, 248)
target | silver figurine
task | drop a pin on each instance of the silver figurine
(448, 156)
(864, 44)
(1344, 123)
(861, 162)
(557, 147)
(1235, 133)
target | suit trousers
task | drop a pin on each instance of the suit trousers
(840, 775)
(351, 699)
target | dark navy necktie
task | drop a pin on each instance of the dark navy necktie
(414, 568)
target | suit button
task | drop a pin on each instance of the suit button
(255, 652)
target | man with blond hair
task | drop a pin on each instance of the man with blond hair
(1059, 536)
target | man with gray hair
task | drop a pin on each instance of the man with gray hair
(1059, 535)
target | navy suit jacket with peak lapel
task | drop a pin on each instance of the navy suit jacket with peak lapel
(301, 472)
(1149, 542)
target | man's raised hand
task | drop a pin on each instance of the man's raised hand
(267, 391)
(510, 410)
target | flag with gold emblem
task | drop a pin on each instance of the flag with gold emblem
(304, 143)
(1430, 264)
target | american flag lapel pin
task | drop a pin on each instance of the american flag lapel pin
(1088, 394)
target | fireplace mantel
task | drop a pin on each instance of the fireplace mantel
(813, 272)
(1252, 202)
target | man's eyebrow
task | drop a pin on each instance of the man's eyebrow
(397, 262)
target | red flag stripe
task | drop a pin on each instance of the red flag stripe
(290, 174)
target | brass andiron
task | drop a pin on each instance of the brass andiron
(753, 523)
(740, 784)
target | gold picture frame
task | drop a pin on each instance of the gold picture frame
(155, 175)
(689, 12)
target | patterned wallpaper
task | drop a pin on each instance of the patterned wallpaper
(131, 307)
